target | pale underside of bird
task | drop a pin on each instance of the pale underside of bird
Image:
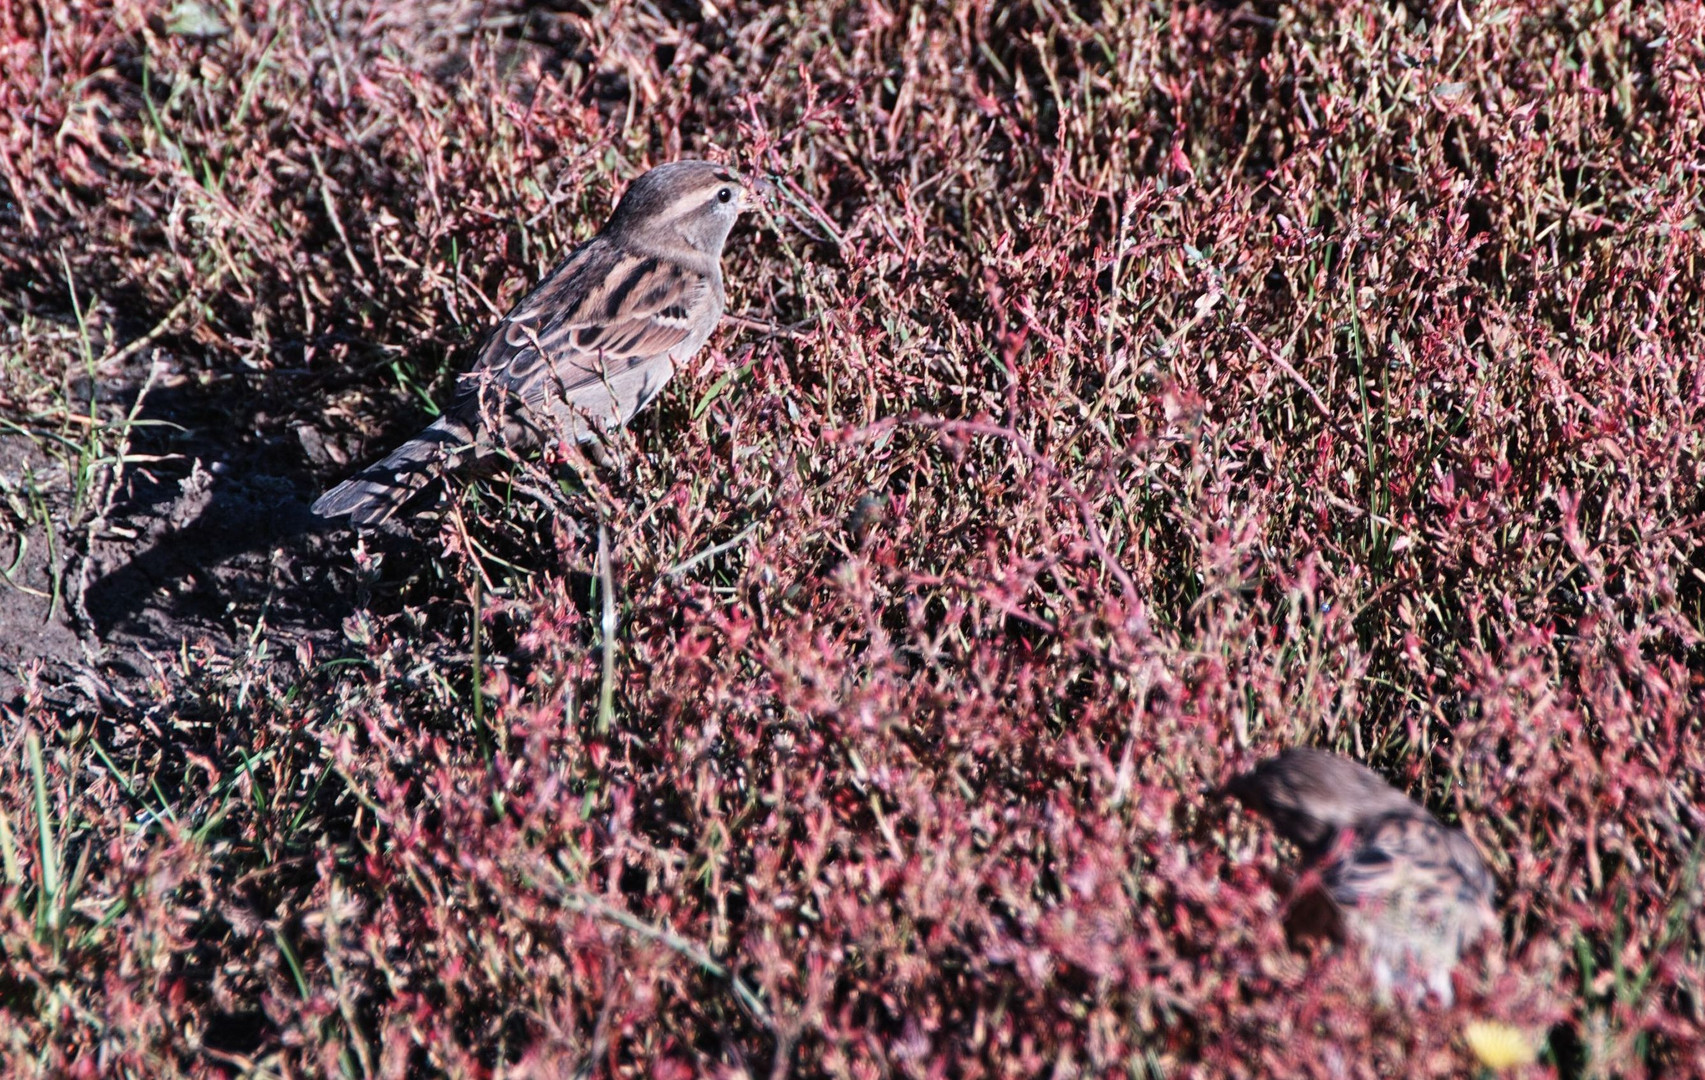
(1411, 892)
(590, 346)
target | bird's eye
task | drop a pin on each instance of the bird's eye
(725, 195)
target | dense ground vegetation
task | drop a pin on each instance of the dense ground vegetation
(1116, 392)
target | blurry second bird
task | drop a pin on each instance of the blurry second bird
(1412, 892)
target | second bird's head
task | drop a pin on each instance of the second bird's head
(691, 202)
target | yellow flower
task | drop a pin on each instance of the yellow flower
(1499, 1046)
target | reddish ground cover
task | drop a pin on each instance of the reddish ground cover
(1120, 392)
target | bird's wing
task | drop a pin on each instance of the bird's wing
(1374, 861)
(591, 325)
(1403, 855)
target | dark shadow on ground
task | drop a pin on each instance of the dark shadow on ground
(208, 536)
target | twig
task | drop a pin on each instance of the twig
(151, 336)
(337, 57)
(711, 552)
(794, 194)
(337, 221)
(1086, 513)
(793, 330)
(607, 584)
(104, 493)
(476, 667)
(600, 1029)
(577, 900)
(1285, 365)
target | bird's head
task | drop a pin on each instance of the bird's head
(690, 202)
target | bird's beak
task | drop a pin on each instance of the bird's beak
(758, 187)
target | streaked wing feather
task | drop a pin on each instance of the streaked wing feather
(600, 314)
(1429, 864)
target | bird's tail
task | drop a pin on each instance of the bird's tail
(371, 496)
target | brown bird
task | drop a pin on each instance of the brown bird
(1412, 892)
(588, 348)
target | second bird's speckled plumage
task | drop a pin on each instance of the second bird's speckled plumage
(1413, 892)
